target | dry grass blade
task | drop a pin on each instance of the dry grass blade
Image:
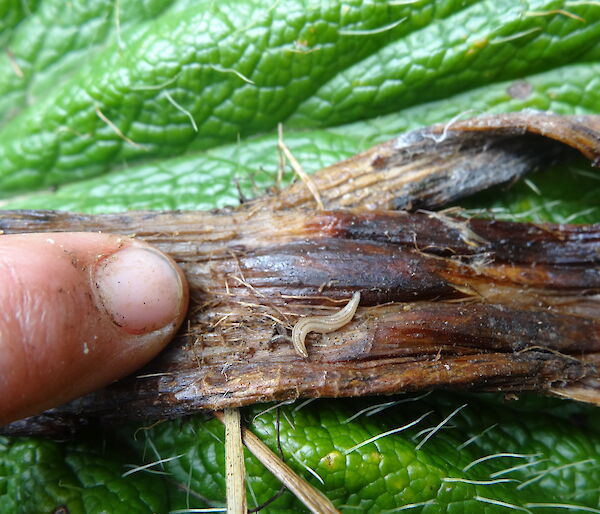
(312, 498)
(234, 463)
(298, 170)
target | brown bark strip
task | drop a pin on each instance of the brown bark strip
(434, 166)
(445, 302)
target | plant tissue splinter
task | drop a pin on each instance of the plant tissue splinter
(323, 324)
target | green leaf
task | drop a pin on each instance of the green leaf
(204, 180)
(236, 69)
(40, 476)
(169, 104)
(466, 463)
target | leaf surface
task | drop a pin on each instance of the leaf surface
(108, 106)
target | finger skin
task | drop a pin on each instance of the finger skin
(58, 340)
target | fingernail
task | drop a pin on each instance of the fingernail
(140, 289)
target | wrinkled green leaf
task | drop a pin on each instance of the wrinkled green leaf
(552, 459)
(128, 104)
(39, 476)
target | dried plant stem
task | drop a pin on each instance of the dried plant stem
(446, 302)
(312, 498)
(234, 463)
(306, 179)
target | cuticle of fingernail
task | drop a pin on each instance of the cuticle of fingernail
(101, 262)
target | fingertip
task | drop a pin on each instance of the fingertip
(79, 311)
